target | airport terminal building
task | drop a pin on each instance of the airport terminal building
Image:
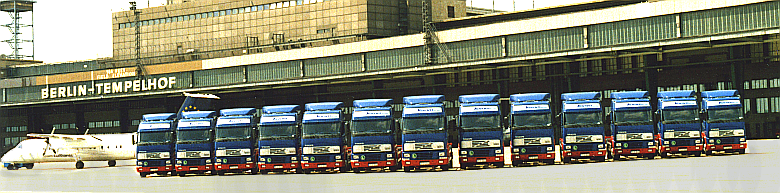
(266, 52)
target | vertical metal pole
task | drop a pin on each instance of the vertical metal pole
(430, 47)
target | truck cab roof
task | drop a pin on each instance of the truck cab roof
(324, 106)
(677, 94)
(281, 109)
(581, 96)
(424, 99)
(199, 114)
(477, 98)
(630, 95)
(159, 117)
(372, 103)
(529, 97)
(238, 112)
(720, 93)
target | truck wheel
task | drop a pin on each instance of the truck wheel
(11, 167)
(566, 160)
(111, 163)
(549, 162)
(600, 159)
(708, 153)
(79, 165)
(220, 173)
(407, 169)
(499, 165)
(446, 167)
(182, 174)
(29, 166)
(253, 171)
(173, 173)
(264, 172)
(649, 156)
(143, 174)
(664, 155)
(741, 151)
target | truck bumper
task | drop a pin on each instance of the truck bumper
(723, 147)
(636, 151)
(584, 154)
(235, 166)
(373, 164)
(477, 160)
(678, 149)
(432, 162)
(322, 165)
(154, 169)
(532, 157)
(282, 166)
(194, 168)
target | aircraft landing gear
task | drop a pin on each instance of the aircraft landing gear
(111, 163)
(29, 166)
(79, 165)
(11, 167)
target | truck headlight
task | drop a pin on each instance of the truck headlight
(304, 158)
(463, 152)
(601, 146)
(293, 158)
(698, 141)
(712, 141)
(618, 145)
(741, 139)
(355, 157)
(389, 155)
(167, 161)
(568, 147)
(549, 148)
(338, 157)
(406, 155)
(650, 143)
(666, 142)
(441, 153)
(497, 151)
(140, 163)
(249, 159)
(178, 162)
(262, 159)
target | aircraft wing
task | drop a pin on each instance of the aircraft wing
(58, 136)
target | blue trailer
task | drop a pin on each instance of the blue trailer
(631, 122)
(236, 141)
(373, 136)
(323, 137)
(531, 130)
(279, 139)
(723, 123)
(679, 128)
(582, 127)
(424, 136)
(156, 143)
(480, 130)
(195, 143)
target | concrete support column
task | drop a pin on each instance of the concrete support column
(124, 119)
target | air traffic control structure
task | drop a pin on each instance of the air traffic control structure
(602, 46)
(16, 9)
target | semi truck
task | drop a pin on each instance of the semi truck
(373, 136)
(531, 131)
(236, 141)
(195, 143)
(679, 127)
(279, 139)
(724, 128)
(323, 139)
(424, 136)
(480, 131)
(631, 123)
(582, 128)
(156, 143)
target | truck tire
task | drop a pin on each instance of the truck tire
(664, 155)
(79, 165)
(698, 153)
(143, 174)
(708, 153)
(182, 174)
(741, 151)
(446, 167)
(549, 162)
(253, 171)
(221, 173)
(600, 159)
(407, 169)
(649, 156)
(499, 165)
(566, 160)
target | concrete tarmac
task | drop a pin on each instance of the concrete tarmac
(756, 171)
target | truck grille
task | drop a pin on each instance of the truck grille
(427, 155)
(235, 160)
(588, 147)
(535, 149)
(728, 140)
(374, 157)
(323, 158)
(481, 152)
(279, 159)
(155, 163)
(685, 142)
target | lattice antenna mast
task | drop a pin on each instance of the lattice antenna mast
(15, 8)
(139, 68)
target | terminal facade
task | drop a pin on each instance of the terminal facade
(671, 45)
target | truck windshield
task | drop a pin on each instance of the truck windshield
(641, 117)
(154, 138)
(193, 136)
(371, 127)
(724, 115)
(480, 122)
(423, 124)
(321, 130)
(532, 120)
(233, 133)
(584, 119)
(274, 132)
(680, 116)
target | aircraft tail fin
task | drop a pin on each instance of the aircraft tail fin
(196, 102)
